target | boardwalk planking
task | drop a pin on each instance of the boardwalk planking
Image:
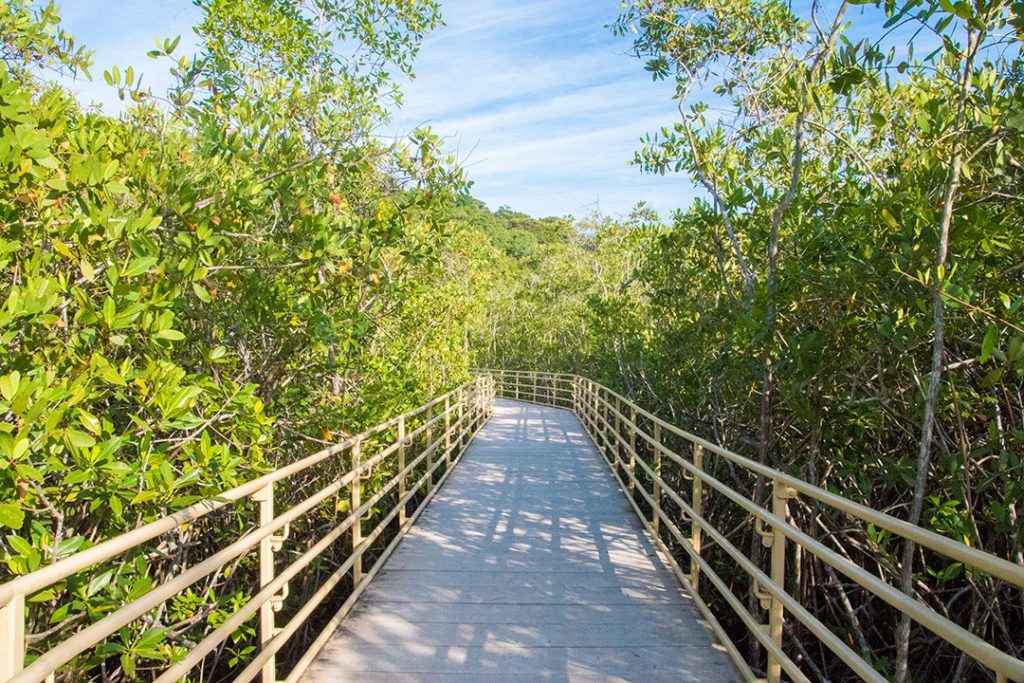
(529, 564)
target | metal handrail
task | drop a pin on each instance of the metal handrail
(465, 410)
(612, 421)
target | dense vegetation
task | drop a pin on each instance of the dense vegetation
(845, 300)
(236, 271)
(223, 278)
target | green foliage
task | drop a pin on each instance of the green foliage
(203, 288)
(31, 37)
(518, 235)
(825, 302)
(236, 270)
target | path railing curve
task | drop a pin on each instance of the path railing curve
(636, 445)
(415, 452)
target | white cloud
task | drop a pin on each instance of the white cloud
(549, 102)
(544, 104)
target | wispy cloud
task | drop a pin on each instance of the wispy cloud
(539, 98)
(548, 101)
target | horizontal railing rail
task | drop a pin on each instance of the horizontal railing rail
(615, 423)
(444, 426)
(546, 388)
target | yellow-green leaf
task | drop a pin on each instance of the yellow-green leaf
(9, 385)
(11, 515)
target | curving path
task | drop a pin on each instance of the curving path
(528, 565)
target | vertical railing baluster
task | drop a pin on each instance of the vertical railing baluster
(656, 489)
(12, 637)
(781, 494)
(447, 432)
(490, 396)
(357, 523)
(616, 431)
(460, 399)
(401, 470)
(603, 426)
(517, 386)
(697, 503)
(430, 446)
(265, 501)
(632, 447)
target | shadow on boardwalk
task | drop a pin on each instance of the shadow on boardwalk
(528, 565)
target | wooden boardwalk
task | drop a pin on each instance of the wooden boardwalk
(529, 564)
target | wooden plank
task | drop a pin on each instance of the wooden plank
(528, 565)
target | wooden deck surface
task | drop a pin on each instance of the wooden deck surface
(529, 564)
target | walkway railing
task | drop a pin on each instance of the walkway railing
(639, 446)
(396, 463)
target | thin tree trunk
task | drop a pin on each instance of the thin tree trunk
(767, 420)
(938, 353)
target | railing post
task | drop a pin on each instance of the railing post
(593, 415)
(447, 431)
(616, 442)
(12, 637)
(603, 426)
(517, 386)
(265, 499)
(401, 470)
(357, 523)
(656, 489)
(460, 397)
(430, 446)
(697, 503)
(632, 447)
(776, 613)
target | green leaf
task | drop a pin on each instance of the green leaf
(9, 385)
(111, 375)
(989, 342)
(109, 311)
(20, 448)
(172, 335)
(11, 515)
(79, 439)
(201, 292)
(139, 265)
(20, 545)
(128, 664)
(61, 248)
(89, 421)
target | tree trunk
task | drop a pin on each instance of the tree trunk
(938, 353)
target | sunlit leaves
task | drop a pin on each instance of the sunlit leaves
(172, 278)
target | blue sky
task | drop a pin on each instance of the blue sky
(540, 102)
(542, 105)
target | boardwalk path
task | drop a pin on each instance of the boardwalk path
(528, 565)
